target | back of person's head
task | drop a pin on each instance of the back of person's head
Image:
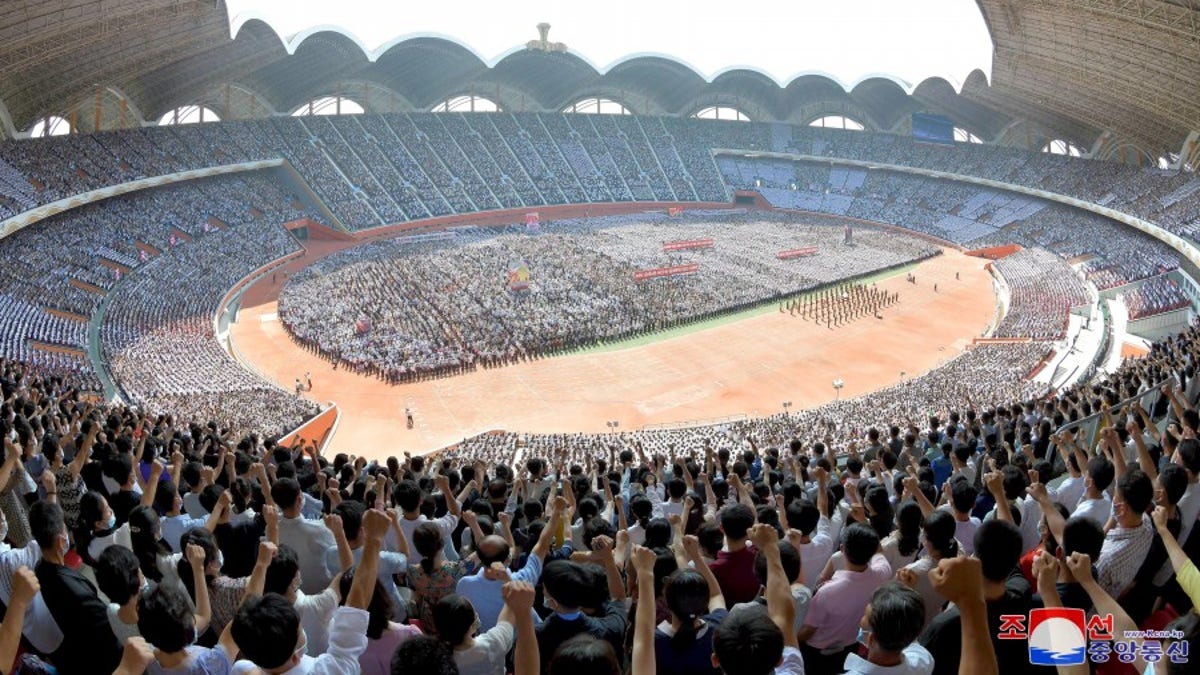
(748, 643)
(210, 495)
(407, 495)
(165, 618)
(267, 630)
(687, 595)
(1082, 535)
(939, 529)
(285, 492)
(351, 513)
(1189, 455)
(427, 539)
(284, 571)
(788, 555)
(908, 523)
(585, 655)
(676, 488)
(1101, 471)
(736, 521)
(144, 535)
(859, 543)
(379, 609)
(711, 539)
(880, 514)
(454, 619)
(595, 527)
(493, 549)
(119, 468)
(47, 524)
(896, 615)
(962, 494)
(565, 582)
(998, 545)
(117, 574)
(1136, 490)
(658, 534)
(1015, 481)
(1173, 480)
(642, 509)
(803, 515)
(424, 654)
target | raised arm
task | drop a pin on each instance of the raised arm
(24, 587)
(1080, 565)
(960, 580)
(691, 546)
(345, 556)
(780, 605)
(1145, 462)
(1054, 520)
(995, 485)
(443, 484)
(375, 524)
(195, 558)
(156, 470)
(518, 601)
(643, 626)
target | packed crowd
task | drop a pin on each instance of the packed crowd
(442, 307)
(1042, 290)
(381, 169)
(139, 542)
(158, 336)
(1156, 296)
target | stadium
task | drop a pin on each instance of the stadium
(667, 326)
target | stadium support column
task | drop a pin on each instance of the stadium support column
(99, 108)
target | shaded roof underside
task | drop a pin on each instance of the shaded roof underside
(1072, 69)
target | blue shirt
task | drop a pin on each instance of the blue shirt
(486, 595)
(173, 528)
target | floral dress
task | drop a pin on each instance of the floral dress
(12, 503)
(430, 587)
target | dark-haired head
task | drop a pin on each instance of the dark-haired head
(424, 654)
(165, 618)
(895, 616)
(454, 619)
(585, 655)
(748, 643)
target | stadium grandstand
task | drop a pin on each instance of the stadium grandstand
(346, 349)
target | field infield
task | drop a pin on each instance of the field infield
(747, 363)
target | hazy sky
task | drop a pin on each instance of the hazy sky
(849, 40)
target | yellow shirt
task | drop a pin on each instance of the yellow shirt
(1189, 580)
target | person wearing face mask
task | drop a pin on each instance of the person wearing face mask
(888, 631)
(89, 645)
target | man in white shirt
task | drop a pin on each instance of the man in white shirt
(1095, 504)
(390, 563)
(308, 538)
(816, 540)
(891, 624)
(408, 496)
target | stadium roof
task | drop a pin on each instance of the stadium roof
(1127, 71)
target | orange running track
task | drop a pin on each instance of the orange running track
(748, 367)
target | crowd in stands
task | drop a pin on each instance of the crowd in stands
(141, 542)
(207, 234)
(1156, 296)
(445, 306)
(1042, 290)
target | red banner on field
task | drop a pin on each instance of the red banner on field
(674, 210)
(797, 253)
(661, 272)
(687, 245)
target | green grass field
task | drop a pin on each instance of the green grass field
(728, 318)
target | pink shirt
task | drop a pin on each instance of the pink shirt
(837, 608)
(377, 659)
